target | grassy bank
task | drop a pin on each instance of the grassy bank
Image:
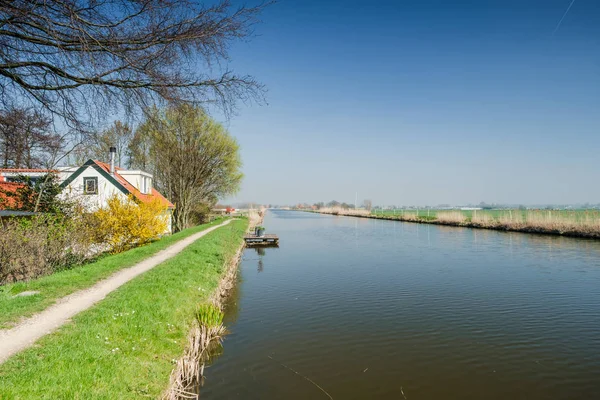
(60, 284)
(126, 346)
(580, 223)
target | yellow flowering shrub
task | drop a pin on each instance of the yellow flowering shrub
(125, 223)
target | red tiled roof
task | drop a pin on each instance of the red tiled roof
(8, 202)
(146, 198)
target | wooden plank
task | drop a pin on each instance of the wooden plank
(269, 239)
(269, 235)
(265, 240)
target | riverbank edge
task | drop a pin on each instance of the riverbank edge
(187, 372)
(473, 225)
(19, 376)
(190, 366)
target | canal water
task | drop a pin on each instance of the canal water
(352, 308)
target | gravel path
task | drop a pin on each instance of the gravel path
(27, 332)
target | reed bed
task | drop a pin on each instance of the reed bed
(344, 211)
(577, 223)
(208, 329)
(452, 217)
(583, 223)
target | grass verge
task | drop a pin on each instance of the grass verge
(126, 346)
(63, 283)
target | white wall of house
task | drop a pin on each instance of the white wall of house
(104, 191)
(141, 180)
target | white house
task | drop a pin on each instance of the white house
(95, 182)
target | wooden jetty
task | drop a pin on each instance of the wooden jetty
(268, 239)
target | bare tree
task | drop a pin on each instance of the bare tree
(80, 58)
(368, 204)
(118, 135)
(26, 139)
(138, 150)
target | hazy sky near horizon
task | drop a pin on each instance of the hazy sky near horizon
(422, 102)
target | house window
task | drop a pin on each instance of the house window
(90, 185)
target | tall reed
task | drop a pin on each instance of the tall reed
(453, 217)
(208, 329)
(344, 211)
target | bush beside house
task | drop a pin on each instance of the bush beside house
(74, 214)
(125, 223)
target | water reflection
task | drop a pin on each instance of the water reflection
(231, 308)
(261, 252)
(385, 309)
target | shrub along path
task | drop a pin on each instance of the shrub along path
(50, 288)
(27, 332)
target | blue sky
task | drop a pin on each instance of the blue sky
(422, 102)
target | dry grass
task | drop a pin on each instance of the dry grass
(452, 217)
(228, 279)
(535, 221)
(343, 211)
(588, 224)
(484, 219)
(410, 217)
(543, 221)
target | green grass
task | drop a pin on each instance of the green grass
(147, 320)
(209, 315)
(60, 284)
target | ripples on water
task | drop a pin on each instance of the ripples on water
(387, 310)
